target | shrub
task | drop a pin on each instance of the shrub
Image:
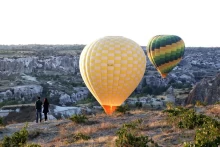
(207, 132)
(138, 105)
(207, 136)
(17, 139)
(8, 102)
(187, 118)
(122, 109)
(33, 145)
(1, 121)
(169, 105)
(159, 90)
(216, 103)
(33, 134)
(199, 103)
(147, 90)
(77, 137)
(6, 142)
(129, 136)
(78, 118)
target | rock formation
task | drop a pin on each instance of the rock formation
(207, 90)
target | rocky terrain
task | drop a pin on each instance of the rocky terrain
(102, 129)
(52, 71)
(207, 91)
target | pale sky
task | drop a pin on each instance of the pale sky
(197, 22)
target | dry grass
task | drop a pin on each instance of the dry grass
(214, 110)
(53, 144)
(88, 130)
(107, 125)
(103, 130)
(63, 131)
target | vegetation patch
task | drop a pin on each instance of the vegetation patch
(199, 103)
(90, 99)
(207, 128)
(123, 109)
(33, 134)
(1, 121)
(18, 139)
(8, 102)
(78, 118)
(77, 137)
(129, 136)
(33, 145)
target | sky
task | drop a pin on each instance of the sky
(83, 21)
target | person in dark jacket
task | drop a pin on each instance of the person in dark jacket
(38, 106)
(46, 108)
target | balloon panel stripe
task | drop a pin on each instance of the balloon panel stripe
(165, 52)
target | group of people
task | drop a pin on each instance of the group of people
(38, 106)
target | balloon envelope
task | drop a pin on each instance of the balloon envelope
(112, 67)
(165, 52)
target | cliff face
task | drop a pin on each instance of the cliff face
(28, 65)
(207, 90)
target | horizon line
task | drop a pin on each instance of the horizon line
(86, 44)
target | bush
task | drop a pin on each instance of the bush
(147, 90)
(33, 134)
(33, 145)
(207, 136)
(187, 118)
(181, 85)
(138, 105)
(129, 136)
(122, 109)
(207, 132)
(77, 137)
(216, 103)
(199, 103)
(159, 90)
(90, 98)
(8, 102)
(78, 118)
(169, 105)
(1, 121)
(17, 139)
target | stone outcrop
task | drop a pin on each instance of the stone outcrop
(29, 65)
(79, 93)
(207, 90)
(25, 92)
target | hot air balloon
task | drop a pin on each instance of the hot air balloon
(165, 52)
(111, 68)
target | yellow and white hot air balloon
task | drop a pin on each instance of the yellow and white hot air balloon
(112, 67)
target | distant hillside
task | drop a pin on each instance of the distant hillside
(52, 71)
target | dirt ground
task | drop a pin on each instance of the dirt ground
(102, 129)
(26, 114)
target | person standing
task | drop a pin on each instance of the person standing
(46, 108)
(38, 106)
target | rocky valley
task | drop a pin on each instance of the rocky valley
(52, 71)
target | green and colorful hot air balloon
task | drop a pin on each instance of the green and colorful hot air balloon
(165, 52)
